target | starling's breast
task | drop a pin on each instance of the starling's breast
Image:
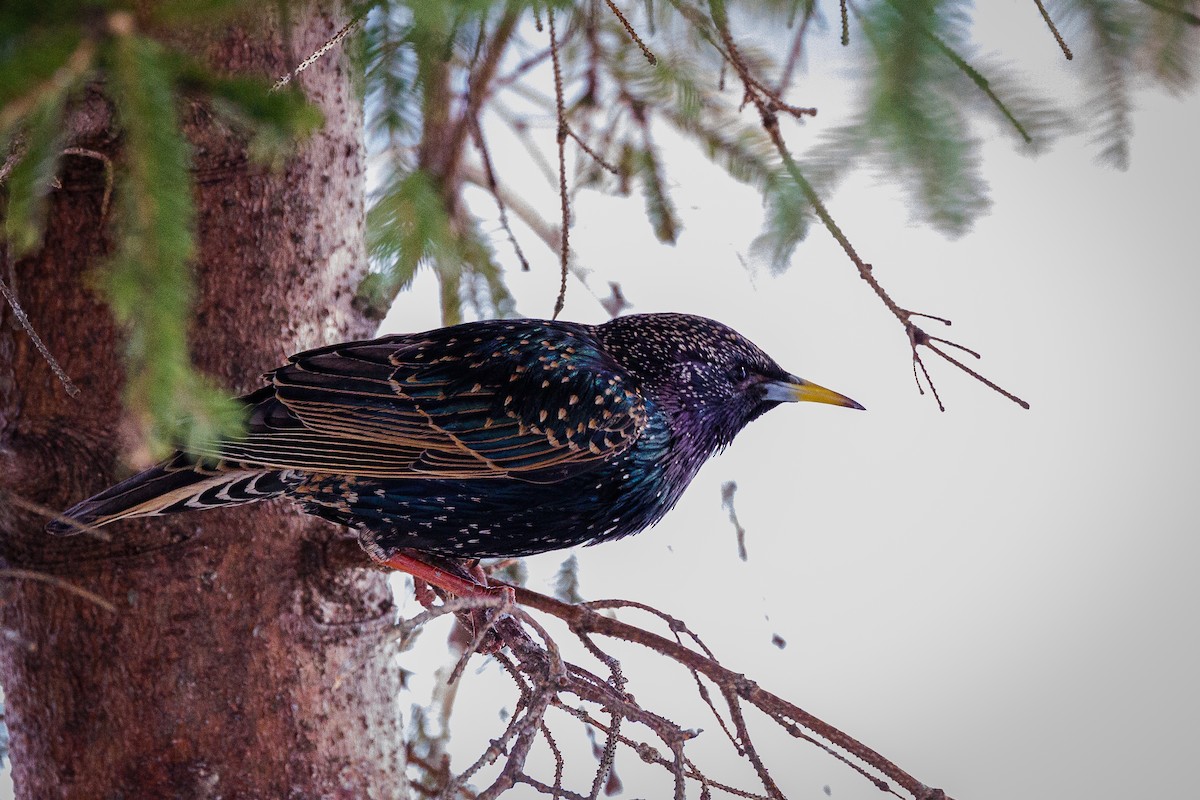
(504, 516)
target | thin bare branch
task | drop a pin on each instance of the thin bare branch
(23, 318)
(793, 57)
(109, 177)
(542, 677)
(767, 109)
(1054, 30)
(756, 90)
(799, 733)
(521, 69)
(58, 583)
(584, 618)
(493, 188)
(679, 765)
(565, 794)
(917, 337)
(587, 149)
(331, 43)
(956, 345)
(557, 789)
(733, 702)
(550, 236)
(479, 88)
(942, 320)
(985, 381)
(919, 363)
(561, 138)
(633, 34)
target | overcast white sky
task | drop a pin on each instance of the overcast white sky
(1001, 601)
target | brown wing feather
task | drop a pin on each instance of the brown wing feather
(456, 403)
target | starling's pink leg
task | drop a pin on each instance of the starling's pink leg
(447, 581)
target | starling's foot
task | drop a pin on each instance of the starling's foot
(452, 577)
(484, 578)
(458, 579)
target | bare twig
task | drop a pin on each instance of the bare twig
(23, 318)
(478, 89)
(584, 618)
(955, 345)
(608, 755)
(1054, 30)
(923, 315)
(541, 696)
(767, 109)
(793, 57)
(58, 583)
(633, 34)
(493, 188)
(680, 766)
(542, 677)
(986, 382)
(558, 760)
(756, 90)
(331, 43)
(9, 289)
(587, 149)
(521, 69)
(477, 641)
(561, 138)
(918, 362)
(733, 702)
(798, 733)
(496, 747)
(109, 178)
(677, 627)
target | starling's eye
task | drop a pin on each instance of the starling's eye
(739, 373)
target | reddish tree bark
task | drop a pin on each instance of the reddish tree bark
(238, 663)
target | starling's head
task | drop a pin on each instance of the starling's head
(705, 375)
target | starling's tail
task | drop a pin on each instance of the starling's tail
(175, 485)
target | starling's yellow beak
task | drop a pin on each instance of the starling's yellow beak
(798, 390)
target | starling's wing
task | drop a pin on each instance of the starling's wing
(518, 399)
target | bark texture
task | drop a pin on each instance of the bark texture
(239, 663)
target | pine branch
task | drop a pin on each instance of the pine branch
(148, 281)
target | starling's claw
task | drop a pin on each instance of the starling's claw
(472, 582)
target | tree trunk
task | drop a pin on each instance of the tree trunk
(240, 661)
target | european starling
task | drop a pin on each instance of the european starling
(495, 438)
